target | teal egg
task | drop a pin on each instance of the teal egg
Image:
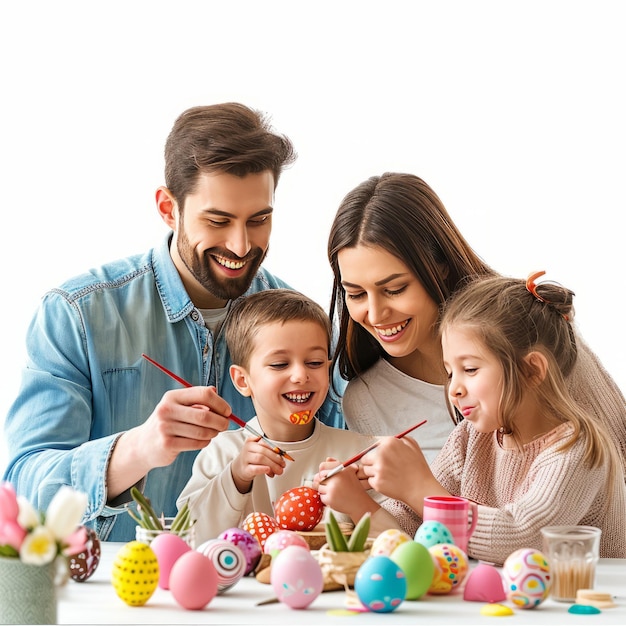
(431, 533)
(380, 584)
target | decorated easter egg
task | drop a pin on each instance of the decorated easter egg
(248, 544)
(82, 565)
(380, 584)
(228, 560)
(193, 580)
(299, 509)
(281, 539)
(484, 584)
(418, 567)
(387, 541)
(451, 567)
(260, 526)
(432, 532)
(296, 577)
(167, 547)
(135, 573)
(527, 578)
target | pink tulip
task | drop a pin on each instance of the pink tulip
(11, 534)
(8, 503)
(76, 542)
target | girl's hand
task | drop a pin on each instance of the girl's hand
(255, 458)
(344, 492)
(398, 469)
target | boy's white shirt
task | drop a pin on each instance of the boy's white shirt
(217, 505)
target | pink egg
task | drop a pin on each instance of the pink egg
(484, 584)
(193, 580)
(248, 544)
(168, 547)
(281, 539)
(296, 577)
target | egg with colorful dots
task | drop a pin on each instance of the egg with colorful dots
(432, 532)
(248, 544)
(380, 584)
(229, 561)
(527, 578)
(451, 566)
(387, 541)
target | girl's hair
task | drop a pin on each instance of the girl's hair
(230, 138)
(403, 215)
(252, 312)
(511, 322)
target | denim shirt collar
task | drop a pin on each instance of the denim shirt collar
(169, 284)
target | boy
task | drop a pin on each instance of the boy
(279, 341)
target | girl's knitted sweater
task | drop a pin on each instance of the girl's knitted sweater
(520, 491)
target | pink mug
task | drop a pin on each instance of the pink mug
(454, 513)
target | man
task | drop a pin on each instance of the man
(91, 412)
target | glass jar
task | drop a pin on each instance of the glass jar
(146, 535)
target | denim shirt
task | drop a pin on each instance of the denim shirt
(85, 383)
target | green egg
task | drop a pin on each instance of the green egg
(418, 566)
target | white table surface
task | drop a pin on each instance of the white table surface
(95, 602)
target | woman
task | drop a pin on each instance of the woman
(397, 257)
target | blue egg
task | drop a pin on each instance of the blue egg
(431, 532)
(380, 584)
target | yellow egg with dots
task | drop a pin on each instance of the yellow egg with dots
(135, 573)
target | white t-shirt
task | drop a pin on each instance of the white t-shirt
(385, 401)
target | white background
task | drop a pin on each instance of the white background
(514, 112)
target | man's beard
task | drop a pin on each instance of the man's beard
(218, 285)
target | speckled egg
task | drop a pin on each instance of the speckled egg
(385, 543)
(451, 567)
(248, 544)
(527, 578)
(380, 584)
(228, 560)
(260, 526)
(432, 532)
(296, 577)
(84, 564)
(299, 509)
(135, 573)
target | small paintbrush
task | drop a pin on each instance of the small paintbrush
(361, 454)
(231, 417)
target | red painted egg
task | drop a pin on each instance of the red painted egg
(260, 526)
(299, 509)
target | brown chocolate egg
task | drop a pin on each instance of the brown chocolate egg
(83, 565)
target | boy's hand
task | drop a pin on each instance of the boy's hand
(255, 458)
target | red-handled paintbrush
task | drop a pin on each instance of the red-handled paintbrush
(361, 454)
(231, 417)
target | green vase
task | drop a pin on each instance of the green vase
(27, 592)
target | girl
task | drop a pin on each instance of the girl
(525, 451)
